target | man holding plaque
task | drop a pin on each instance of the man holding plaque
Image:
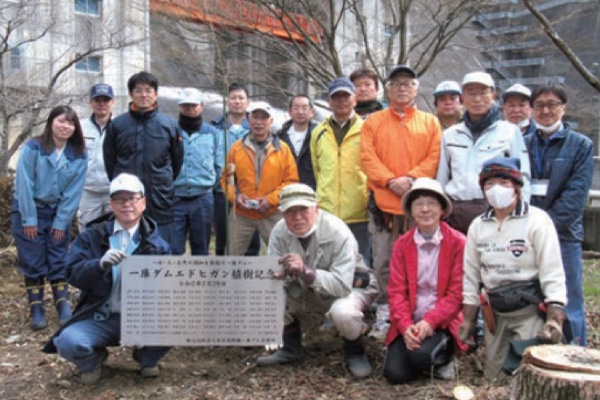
(93, 267)
(324, 273)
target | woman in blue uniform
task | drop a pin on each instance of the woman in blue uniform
(48, 186)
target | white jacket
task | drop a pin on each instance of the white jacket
(461, 160)
(96, 179)
(523, 247)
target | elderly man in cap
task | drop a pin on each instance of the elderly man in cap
(324, 273)
(258, 166)
(448, 105)
(200, 172)
(517, 108)
(398, 145)
(425, 289)
(93, 266)
(335, 152)
(94, 199)
(466, 146)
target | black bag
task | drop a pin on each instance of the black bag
(515, 296)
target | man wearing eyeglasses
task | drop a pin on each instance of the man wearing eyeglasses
(147, 143)
(562, 164)
(399, 145)
(481, 136)
(296, 133)
(93, 265)
(94, 199)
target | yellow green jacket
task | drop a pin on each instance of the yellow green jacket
(341, 183)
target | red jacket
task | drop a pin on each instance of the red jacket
(402, 286)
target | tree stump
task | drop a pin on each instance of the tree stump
(557, 372)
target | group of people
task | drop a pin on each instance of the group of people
(371, 205)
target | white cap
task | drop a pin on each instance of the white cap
(447, 87)
(482, 78)
(126, 183)
(195, 99)
(260, 105)
(516, 89)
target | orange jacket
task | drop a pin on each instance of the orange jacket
(279, 170)
(392, 147)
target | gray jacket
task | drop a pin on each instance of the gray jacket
(332, 250)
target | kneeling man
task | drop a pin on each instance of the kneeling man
(324, 273)
(93, 267)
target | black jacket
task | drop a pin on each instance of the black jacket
(306, 174)
(148, 145)
(84, 271)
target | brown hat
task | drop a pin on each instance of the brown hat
(427, 186)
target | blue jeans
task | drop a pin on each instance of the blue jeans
(193, 215)
(84, 343)
(573, 265)
(42, 257)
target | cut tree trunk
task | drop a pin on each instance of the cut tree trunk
(557, 372)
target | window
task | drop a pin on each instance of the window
(91, 7)
(16, 55)
(89, 64)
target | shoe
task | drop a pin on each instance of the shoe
(89, 378)
(381, 325)
(150, 372)
(356, 359)
(445, 372)
(291, 350)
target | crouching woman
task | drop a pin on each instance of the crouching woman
(425, 289)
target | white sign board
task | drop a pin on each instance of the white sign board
(201, 301)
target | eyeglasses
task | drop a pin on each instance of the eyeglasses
(129, 199)
(550, 106)
(426, 203)
(477, 93)
(401, 85)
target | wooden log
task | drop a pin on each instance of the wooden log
(556, 372)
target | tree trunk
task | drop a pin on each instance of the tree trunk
(558, 373)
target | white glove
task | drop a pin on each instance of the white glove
(110, 258)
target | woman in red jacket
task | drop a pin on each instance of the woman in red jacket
(425, 289)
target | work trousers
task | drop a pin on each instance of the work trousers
(92, 205)
(42, 257)
(220, 222)
(193, 215)
(242, 229)
(84, 343)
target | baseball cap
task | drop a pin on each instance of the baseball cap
(260, 105)
(191, 99)
(480, 77)
(101, 89)
(125, 182)
(447, 87)
(340, 85)
(516, 89)
(403, 69)
(296, 194)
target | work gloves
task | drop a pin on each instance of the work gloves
(467, 328)
(110, 258)
(551, 332)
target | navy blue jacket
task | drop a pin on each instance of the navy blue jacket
(148, 145)
(567, 161)
(306, 173)
(84, 271)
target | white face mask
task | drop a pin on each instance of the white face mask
(500, 196)
(555, 127)
(308, 233)
(523, 124)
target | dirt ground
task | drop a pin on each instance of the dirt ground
(203, 373)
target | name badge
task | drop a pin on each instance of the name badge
(539, 187)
